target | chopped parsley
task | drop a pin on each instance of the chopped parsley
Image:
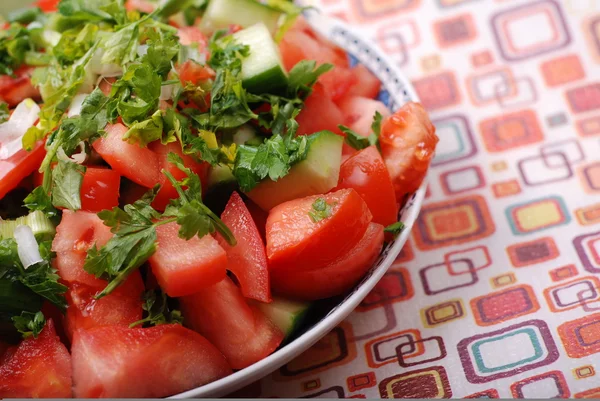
(158, 310)
(320, 210)
(29, 324)
(358, 141)
(395, 229)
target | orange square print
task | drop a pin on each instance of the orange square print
(562, 70)
(506, 188)
(504, 305)
(511, 130)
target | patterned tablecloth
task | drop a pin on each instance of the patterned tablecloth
(497, 294)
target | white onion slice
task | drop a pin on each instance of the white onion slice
(166, 92)
(142, 50)
(76, 104)
(12, 131)
(79, 157)
(27, 246)
(107, 70)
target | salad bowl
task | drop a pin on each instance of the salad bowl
(396, 90)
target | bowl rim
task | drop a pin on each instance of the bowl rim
(329, 26)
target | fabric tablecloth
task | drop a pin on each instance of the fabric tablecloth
(497, 293)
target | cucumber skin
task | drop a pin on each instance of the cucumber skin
(273, 81)
(278, 312)
(261, 12)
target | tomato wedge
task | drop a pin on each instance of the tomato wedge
(408, 142)
(368, 85)
(186, 267)
(122, 362)
(194, 73)
(100, 189)
(123, 306)
(138, 164)
(247, 259)
(241, 332)
(366, 173)
(319, 113)
(37, 368)
(13, 90)
(337, 277)
(296, 242)
(48, 6)
(20, 165)
(359, 112)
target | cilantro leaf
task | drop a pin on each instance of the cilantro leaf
(146, 131)
(85, 10)
(121, 47)
(39, 199)
(74, 44)
(4, 113)
(29, 324)
(157, 310)
(320, 210)
(304, 75)
(67, 178)
(376, 126)
(395, 228)
(357, 141)
(162, 49)
(137, 92)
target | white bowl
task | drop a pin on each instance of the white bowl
(396, 91)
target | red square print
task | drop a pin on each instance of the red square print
(506, 188)
(562, 70)
(532, 252)
(491, 393)
(585, 98)
(361, 381)
(430, 382)
(456, 30)
(438, 91)
(552, 382)
(482, 58)
(590, 176)
(511, 130)
(589, 126)
(581, 337)
(504, 305)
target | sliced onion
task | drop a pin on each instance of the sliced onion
(106, 70)
(76, 104)
(79, 157)
(27, 246)
(12, 131)
(142, 50)
(166, 92)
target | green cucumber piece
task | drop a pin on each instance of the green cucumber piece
(286, 314)
(317, 174)
(219, 175)
(262, 70)
(41, 226)
(220, 14)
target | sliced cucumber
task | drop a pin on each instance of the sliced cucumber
(219, 175)
(41, 226)
(317, 174)
(221, 14)
(284, 313)
(262, 70)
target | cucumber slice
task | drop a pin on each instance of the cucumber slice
(41, 226)
(219, 175)
(317, 174)
(262, 70)
(221, 14)
(286, 314)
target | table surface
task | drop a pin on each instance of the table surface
(497, 293)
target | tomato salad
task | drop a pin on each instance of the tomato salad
(179, 182)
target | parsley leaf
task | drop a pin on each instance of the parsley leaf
(146, 131)
(360, 142)
(376, 126)
(4, 113)
(157, 310)
(29, 324)
(304, 75)
(395, 228)
(162, 49)
(320, 210)
(67, 178)
(85, 10)
(39, 199)
(138, 92)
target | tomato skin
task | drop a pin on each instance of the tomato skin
(122, 362)
(295, 242)
(408, 142)
(247, 259)
(319, 113)
(100, 189)
(194, 73)
(241, 332)
(359, 113)
(186, 267)
(367, 83)
(37, 368)
(167, 190)
(138, 164)
(48, 6)
(140, 5)
(20, 165)
(260, 218)
(14, 90)
(120, 308)
(336, 278)
(367, 174)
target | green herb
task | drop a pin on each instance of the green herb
(360, 142)
(162, 49)
(304, 75)
(4, 113)
(24, 15)
(147, 131)
(157, 310)
(67, 178)
(137, 92)
(320, 210)
(376, 126)
(86, 10)
(273, 159)
(74, 44)
(29, 324)
(40, 200)
(193, 217)
(395, 228)
(15, 42)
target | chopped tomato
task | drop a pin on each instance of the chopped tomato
(247, 259)
(319, 113)
(51, 311)
(13, 90)
(122, 362)
(48, 6)
(408, 142)
(359, 113)
(167, 191)
(106, 84)
(335, 278)
(260, 218)
(37, 368)
(144, 6)
(366, 173)
(241, 332)
(76, 233)
(123, 306)
(194, 73)
(191, 34)
(138, 164)
(367, 84)
(185, 267)
(20, 165)
(295, 241)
